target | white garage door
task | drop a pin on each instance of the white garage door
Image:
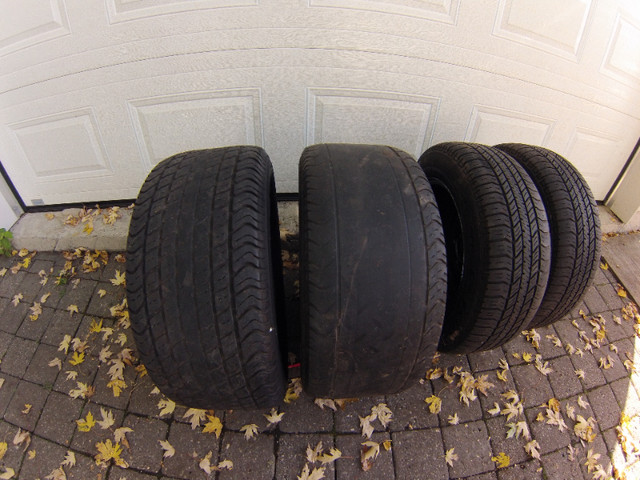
(93, 93)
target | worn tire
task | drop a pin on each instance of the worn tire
(574, 223)
(497, 239)
(372, 270)
(204, 279)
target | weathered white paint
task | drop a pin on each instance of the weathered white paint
(94, 93)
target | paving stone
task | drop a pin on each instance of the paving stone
(450, 361)
(104, 394)
(409, 409)
(62, 323)
(530, 470)
(599, 447)
(7, 391)
(85, 442)
(100, 306)
(118, 474)
(12, 317)
(419, 454)
(351, 446)
(86, 372)
(605, 406)
(568, 333)
(142, 401)
(517, 345)
(620, 331)
(610, 297)
(49, 456)
(626, 395)
(191, 446)
(5, 342)
(347, 419)
(513, 447)
(626, 349)
(18, 356)
(586, 412)
(145, 452)
(34, 329)
(549, 437)
(58, 420)
(26, 393)
(617, 369)
(9, 283)
(474, 452)
(234, 420)
(39, 370)
(593, 376)
(42, 261)
(563, 379)
(533, 386)
(557, 465)
(109, 270)
(484, 476)
(292, 454)
(13, 457)
(79, 296)
(30, 287)
(547, 348)
(494, 395)
(594, 301)
(487, 360)
(303, 416)
(451, 404)
(86, 468)
(253, 458)
(614, 449)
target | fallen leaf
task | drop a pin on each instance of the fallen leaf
(197, 415)
(102, 292)
(72, 309)
(274, 417)
(86, 424)
(64, 344)
(592, 460)
(332, 456)
(120, 435)
(22, 437)
(225, 465)
(453, 419)
(294, 390)
(582, 402)
(214, 425)
(31, 454)
(16, 299)
(450, 457)
(383, 414)
(3, 449)
(169, 451)
(621, 291)
(105, 354)
(555, 418)
(584, 428)
(314, 453)
(117, 385)
(527, 357)
(69, 459)
(532, 448)
(325, 402)
(368, 454)
(205, 463)
(365, 424)
(56, 362)
(8, 473)
(119, 279)
(604, 266)
(502, 460)
(109, 451)
(27, 408)
(579, 373)
(250, 431)
(435, 404)
(71, 374)
(518, 429)
(495, 410)
(315, 474)
(386, 445)
(77, 358)
(107, 418)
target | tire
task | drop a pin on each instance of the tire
(574, 224)
(372, 270)
(497, 239)
(204, 279)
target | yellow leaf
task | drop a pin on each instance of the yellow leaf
(107, 418)
(109, 451)
(3, 449)
(102, 292)
(8, 473)
(72, 309)
(120, 435)
(554, 404)
(197, 415)
(88, 228)
(274, 417)
(117, 385)
(86, 424)
(502, 375)
(527, 357)
(604, 266)
(332, 456)
(365, 423)
(96, 327)
(316, 474)
(169, 451)
(27, 408)
(119, 279)
(69, 459)
(387, 445)
(50, 216)
(250, 431)
(166, 406)
(450, 457)
(214, 425)
(16, 299)
(502, 460)
(621, 291)
(31, 454)
(368, 454)
(435, 404)
(293, 390)
(77, 358)
(453, 419)
(532, 449)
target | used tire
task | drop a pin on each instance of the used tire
(372, 270)
(497, 239)
(574, 223)
(204, 279)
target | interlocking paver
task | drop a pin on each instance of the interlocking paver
(58, 420)
(5, 342)
(409, 409)
(475, 457)
(347, 420)
(626, 396)
(513, 447)
(419, 454)
(517, 345)
(547, 348)
(39, 370)
(105, 395)
(117, 473)
(13, 457)
(79, 295)
(6, 392)
(292, 454)
(535, 386)
(549, 436)
(351, 446)
(145, 452)
(451, 404)
(100, 306)
(599, 447)
(26, 393)
(12, 317)
(487, 360)
(34, 329)
(558, 465)
(594, 302)
(62, 324)
(530, 470)
(254, 458)
(191, 446)
(593, 376)
(86, 441)
(48, 457)
(18, 356)
(605, 406)
(563, 379)
(303, 416)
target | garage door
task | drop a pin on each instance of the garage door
(94, 93)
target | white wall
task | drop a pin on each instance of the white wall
(10, 210)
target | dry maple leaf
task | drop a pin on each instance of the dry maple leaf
(69, 459)
(250, 431)
(16, 299)
(435, 404)
(274, 417)
(119, 279)
(555, 418)
(8, 473)
(450, 457)
(533, 337)
(533, 449)
(64, 344)
(571, 411)
(214, 425)
(582, 402)
(495, 410)
(365, 424)
(102, 292)
(502, 460)
(621, 291)
(383, 414)
(294, 389)
(71, 374)
(82, 390)
(482, 384)
(119, 435)
(22, 437)
(169, 451)
(592, 460)
(77, 358)
(467, 384)
(205, 463)
(332, 456)
(512, 410)
(315, 474)
(518, 429)
(27, 408)
(579, 373)
(584, 428)
(31, 454)
(107, 418)
(197, 415)
(117, 385)
(56, 362)
(57, 474)
(314, 453)
(109, 451)
(86, 424)
(72, 309)
(325, 402)
(105, 354)
(3, 449)
(571, 453)
(368, 454)
(453, 419)
(3, 272)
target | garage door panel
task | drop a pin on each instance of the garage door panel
(622, 60)
(491, 125)
(125, 10)
(168, 124)
(445, 11)
(368, 116)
